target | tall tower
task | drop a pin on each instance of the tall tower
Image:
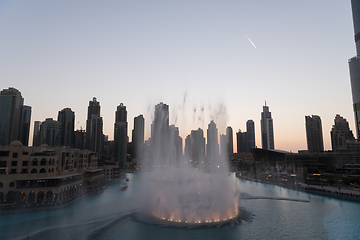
(120, 135)
(160, 132)
(36, 136)
(314, 134)
(212, 147)
(250, 135)
(67, 119)
(229, 140)
(50, 132)
(241, 140)
(340, 133)
(11, 121)
(267, 130)
(94, 128)
(138, 137)
(354, 65)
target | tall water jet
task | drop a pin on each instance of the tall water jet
(190, 190)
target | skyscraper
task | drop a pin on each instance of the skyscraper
(36, 135)
(160, 131)
(50, 132)
(67, 119)
(13, 126)
(120, 135)
(212, 147)
(250, 135)
(267, 130)
(230, 141)
(241, 141)
(25, 125)
(314, 134)
(354, 65)
(94, 128)
(340, 133)
(138, 137)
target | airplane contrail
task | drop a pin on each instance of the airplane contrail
(250, 41)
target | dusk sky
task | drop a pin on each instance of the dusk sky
(225, 57)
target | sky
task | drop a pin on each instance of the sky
(207, 59)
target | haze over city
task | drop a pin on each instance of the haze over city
(212, 54)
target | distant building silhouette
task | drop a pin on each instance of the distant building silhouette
(79, 139)
(50, 132)
(195, 147)
(354, 65)
(340, 133)
(120, 135)
(67, 119)
(267, 130)
(250, 135)
(223, 145)
(241, 141)
(14, 117)
(25, 125)
(212, 147)
(36, 134)
(94, 128)
(175, 144)
(314, 136)
(160, 132)
(138, 137)
(229, 141)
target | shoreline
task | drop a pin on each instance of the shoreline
(328, 191)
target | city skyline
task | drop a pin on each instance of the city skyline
(226, 58)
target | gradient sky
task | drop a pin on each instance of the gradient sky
(63, 53)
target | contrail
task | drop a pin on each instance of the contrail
(250, 41)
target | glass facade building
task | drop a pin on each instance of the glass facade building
(354, 65)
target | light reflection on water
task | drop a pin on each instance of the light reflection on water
(108, 216)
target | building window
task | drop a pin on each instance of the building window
(25, 153)
(15, 155)
(2, 163)
(1, 185)
(24, 170)
(12, 184)
(43, 162)
(13, 171)
(34, 170)
(4, 153)
(2, 171)
(35, 162)
(13, 163)
(25, 163)
(42, 170)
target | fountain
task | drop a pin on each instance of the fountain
(179, 192)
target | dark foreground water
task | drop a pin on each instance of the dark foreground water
(278, 213)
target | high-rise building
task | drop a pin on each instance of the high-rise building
(250, 135)
(229, 140)
(340, 133)
(25, 125)
(79, 139)
(223, 145)
(120, 135)
(36, 135)
(267, 130)
(138, 137)
(241, 140)
(67, 119)
(94, 128)
(212, 147)
(160, 132)
(354, 65)
(195, 148)
(50, 132)
(13, 125)
(314, 134)
(175, 144)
